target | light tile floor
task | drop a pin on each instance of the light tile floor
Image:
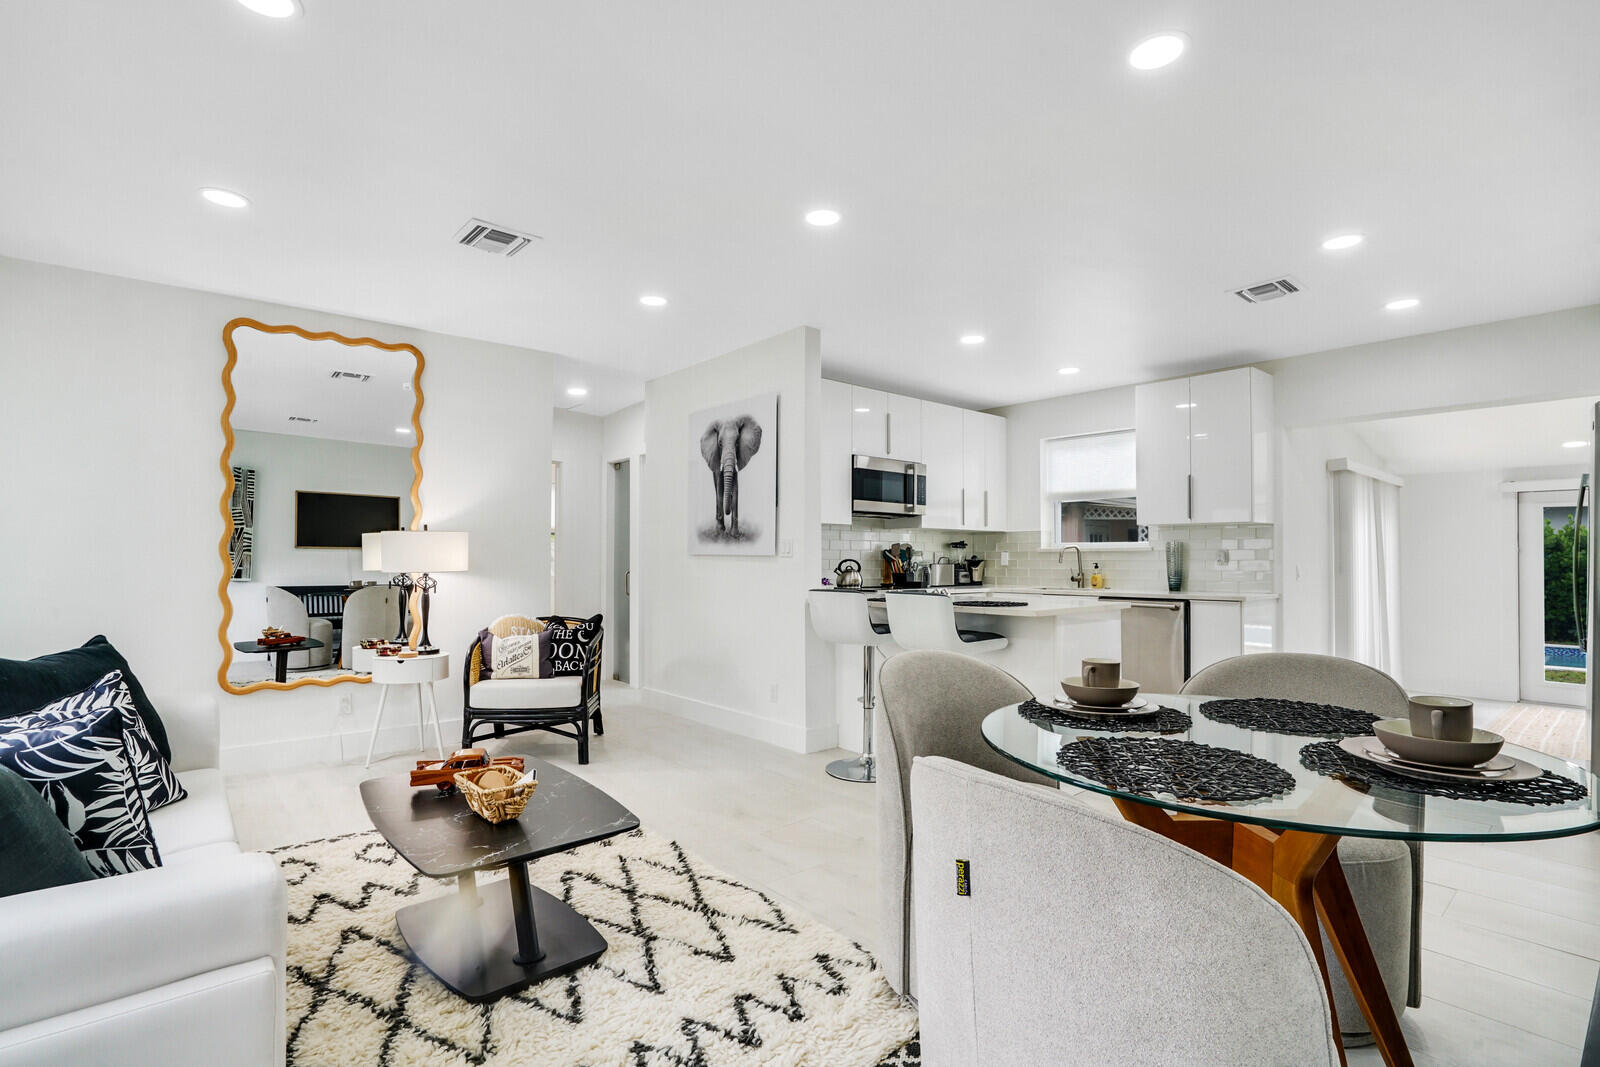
(1511, 938)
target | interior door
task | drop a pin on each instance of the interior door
(621, 577)
(1551, 593)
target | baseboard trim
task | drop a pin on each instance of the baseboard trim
(731, 720)
(344, 746)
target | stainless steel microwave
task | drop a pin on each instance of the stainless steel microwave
(887, 486)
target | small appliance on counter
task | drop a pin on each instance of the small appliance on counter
(941, 572)
(849, 574)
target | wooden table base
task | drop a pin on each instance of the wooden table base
(1301, 871)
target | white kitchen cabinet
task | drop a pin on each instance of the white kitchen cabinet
(1216, 632)
(834, 455)
(1161, 442)
(869, 421)
(994, 472)
(1205, 448)
(903, 429)
(945, 459)
(974, 470)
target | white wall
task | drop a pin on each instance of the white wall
(110, 398)
(622, 439)
(284, 464)
(1458, 585)
(1061, 416)
(576, 442)
(722, 634)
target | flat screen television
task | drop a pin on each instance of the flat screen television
(337, 520)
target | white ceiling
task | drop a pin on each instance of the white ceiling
(1000, 169)
(279, 375)
(1484, 439)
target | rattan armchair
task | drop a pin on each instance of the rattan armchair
(566, 705)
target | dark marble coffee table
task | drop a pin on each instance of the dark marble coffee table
(485, 943)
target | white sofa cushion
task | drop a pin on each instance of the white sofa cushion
(510, 694)
(201, 818)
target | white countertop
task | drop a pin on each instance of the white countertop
(1136, 594)
(1039, 605)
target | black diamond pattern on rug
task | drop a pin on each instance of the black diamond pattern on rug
(701, 970)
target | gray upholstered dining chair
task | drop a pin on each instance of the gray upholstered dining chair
(1385, 876)
(1078, 937)
(932, 704)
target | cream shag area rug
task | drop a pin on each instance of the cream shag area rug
(701, 971)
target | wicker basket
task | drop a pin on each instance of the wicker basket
(496, 805)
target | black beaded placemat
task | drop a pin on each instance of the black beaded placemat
(1186, 769)
(1327, 758)
(1290, 717)
(1165, 721)
(991, 603)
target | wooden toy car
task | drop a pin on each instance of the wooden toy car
(442, 772)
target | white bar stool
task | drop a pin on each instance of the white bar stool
(928, 621)
(422, 672)
(842, 618)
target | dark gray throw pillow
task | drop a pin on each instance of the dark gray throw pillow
(36, 852)
(157, 783)
(81, 768)
(26, 684)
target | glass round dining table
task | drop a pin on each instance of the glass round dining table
(1286, 842)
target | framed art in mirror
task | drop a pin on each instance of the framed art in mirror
(322, 443)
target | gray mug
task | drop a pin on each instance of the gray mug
(1102, 673)
(1444, 718)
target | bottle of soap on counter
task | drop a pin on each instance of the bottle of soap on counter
(1096, 579)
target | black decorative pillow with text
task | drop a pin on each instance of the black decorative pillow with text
(565, 645)
(81, 768)
(157, 783)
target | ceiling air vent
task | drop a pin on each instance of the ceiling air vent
(300, 418)
(1273, 290)
(496, 240)
(351, 375)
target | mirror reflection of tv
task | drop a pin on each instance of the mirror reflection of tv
(337, 520)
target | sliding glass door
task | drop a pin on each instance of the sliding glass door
(1552, 551)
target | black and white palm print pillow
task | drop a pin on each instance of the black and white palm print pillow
(157, 783)
(81, 768)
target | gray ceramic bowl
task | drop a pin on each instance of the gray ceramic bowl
(1109, 696)
(1397, 737)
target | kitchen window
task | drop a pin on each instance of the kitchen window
(1088, 491)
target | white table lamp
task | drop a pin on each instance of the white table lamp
(421, 553)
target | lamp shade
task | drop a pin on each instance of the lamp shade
(372, 552)
(419, 551)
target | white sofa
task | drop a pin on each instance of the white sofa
(179, 965)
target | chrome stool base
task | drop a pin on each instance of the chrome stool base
(860, 769)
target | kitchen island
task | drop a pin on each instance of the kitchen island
(1049, 637)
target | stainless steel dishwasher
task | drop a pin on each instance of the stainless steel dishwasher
(1155, 643)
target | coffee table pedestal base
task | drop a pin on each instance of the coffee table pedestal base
(470, 940)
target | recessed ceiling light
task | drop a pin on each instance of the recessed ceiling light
(402, 429)
(972, 338)
(1155, 52)
(405, 385)
(1342, 241)
(822, 216)
(650, 300)
(273, 9)
(1575, 444)
(577, 390)
(225, 197)
(1068, 370)
(1403, 304)
(862, 411)
(1182, 407)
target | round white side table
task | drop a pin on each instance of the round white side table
(422, 672)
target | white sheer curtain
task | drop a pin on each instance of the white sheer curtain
(1366, 570)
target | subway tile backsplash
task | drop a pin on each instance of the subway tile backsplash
(1249, 566)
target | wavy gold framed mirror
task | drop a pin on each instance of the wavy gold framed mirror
(322, 442)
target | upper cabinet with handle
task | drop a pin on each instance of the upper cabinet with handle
(964, 451)
(1205, 448)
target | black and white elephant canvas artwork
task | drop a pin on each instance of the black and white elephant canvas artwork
(733, 479)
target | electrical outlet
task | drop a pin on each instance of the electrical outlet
(1005, 559)
(785, 548)
(345, 707)
(1222, 555)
